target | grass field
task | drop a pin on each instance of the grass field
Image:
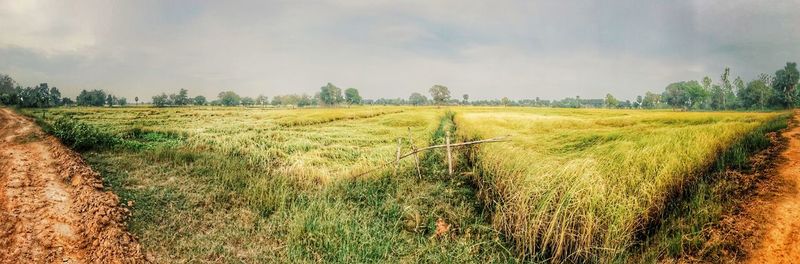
(251, 184)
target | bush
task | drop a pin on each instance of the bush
(81, 136)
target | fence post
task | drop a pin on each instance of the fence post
(449, 155)
(397, 158)
(416, 155)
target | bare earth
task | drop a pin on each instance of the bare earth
(52, 205)
(781, 242)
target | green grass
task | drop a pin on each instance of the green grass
(276, 185)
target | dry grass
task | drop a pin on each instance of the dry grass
(577, 185)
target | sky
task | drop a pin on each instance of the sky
(487, 49)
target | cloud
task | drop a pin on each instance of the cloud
(520, 49)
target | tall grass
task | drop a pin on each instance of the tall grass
(578, 185)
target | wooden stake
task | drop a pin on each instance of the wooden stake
(397, 159)
(449, 154)
(416, 154)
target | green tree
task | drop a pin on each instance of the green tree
(439, 93)
(161, 100)
(136, 99)
(330, 94)
(675, 95)
(248, 101)
(91, 98)
(351, 96)
(756, 95)
(785, 84)
(180, 99)
(199, 100)
(122, 101)
(262, 100)
(465, 98)
(229, 98)
(110, 101)
(54, 97)
(417, 99)
(611, 101)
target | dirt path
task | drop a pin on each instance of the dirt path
(781, 242)
(52, 205)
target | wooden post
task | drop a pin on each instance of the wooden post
(397, 159)
(416, 155)
(449, 155)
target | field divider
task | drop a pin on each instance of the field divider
(415, 151)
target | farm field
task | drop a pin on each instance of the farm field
(253, 184)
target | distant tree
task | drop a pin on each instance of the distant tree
(330, 94)
(505, 101)
(136, 99)
(55, 97)
(199, 100)
(248, 101)
(351, 96)
(651, 100)
(8, 95)
(122, 101)
(229, 98)
(91, 98)
(785, 84)
(611, 101)
(756, 95)
(439, 93)
(304, 100)
(66, 101)
(180, 99)
(466, 98)
(639, 101)
(110, 100)
(262, 100)
(417, 99)
(161, 100)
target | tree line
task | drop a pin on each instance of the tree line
(767, 91)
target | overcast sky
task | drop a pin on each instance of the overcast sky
(487, 49)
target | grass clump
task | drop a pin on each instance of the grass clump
(81, 136)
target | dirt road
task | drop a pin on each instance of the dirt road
(52, 205)
(781, 242)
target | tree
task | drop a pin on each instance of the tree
(785, 84)
(122, 101)
(675, 95)
(330, 94)
(229, 98)
(351, 96)
(262, 100)
(417, 99)
(639, 100)
(55, 97)
(610, 101)
(161, 100)
(466, 98)
(180, 99)
(136, 99)
(439, 94)
(651, 100)
(505, 101)
(110, 100)
(199, 100)
(248, 101)
(757, 95)
(66, 101)
(91, 98)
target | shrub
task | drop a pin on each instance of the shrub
(81, 136)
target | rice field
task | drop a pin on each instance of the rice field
(279, 185)
(580, 184)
